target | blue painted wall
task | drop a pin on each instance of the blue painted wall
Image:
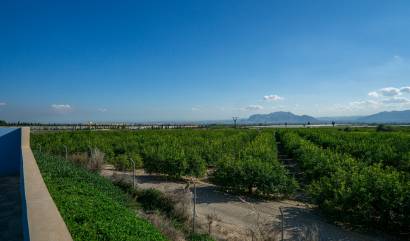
(24, 220)
(11, 164)
(10, 151)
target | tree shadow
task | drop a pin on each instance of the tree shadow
(156, 179)
(211, 194)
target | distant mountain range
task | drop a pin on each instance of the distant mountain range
(282, 117)
(387, 117)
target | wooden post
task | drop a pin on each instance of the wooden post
(283, 222)
(194, 210)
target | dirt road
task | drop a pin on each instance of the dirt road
(239, 218)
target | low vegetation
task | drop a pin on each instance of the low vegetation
(169, 211)
(91, 206)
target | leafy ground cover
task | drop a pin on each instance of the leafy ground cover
(91, 206)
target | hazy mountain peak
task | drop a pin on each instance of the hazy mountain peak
(387, 117)
(280, 117)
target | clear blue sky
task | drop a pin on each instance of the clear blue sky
(68, 61)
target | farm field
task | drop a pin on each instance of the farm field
(357, 178)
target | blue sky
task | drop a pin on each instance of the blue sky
(69, 61)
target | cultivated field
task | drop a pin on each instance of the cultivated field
(356, 179)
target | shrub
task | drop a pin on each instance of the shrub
(381, 128)
(371, 195)
(80, 159)
(152, 199)
(93, 161)
(166, 210)
(166, 226)
(96, 160)
(122, 163)
(242, 176)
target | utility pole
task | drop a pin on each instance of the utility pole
(234, 120)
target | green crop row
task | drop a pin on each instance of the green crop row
(244, 159)
(351, 190)
(91, 206)
(172, 152)
(391, 149)
(255, 167)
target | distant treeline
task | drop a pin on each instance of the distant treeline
(87, 126)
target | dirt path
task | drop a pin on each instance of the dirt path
(294, 171)
(239, 218)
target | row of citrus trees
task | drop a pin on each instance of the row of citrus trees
(351, 190)
(189, 152)
(173, 152)
(389, 149)
(255, 167)
(243, 159)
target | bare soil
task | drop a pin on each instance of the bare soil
(241, 218)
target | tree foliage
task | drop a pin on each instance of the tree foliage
(255, 167)
(389, 149)
(358, 192)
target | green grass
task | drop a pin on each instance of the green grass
(91, 206)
